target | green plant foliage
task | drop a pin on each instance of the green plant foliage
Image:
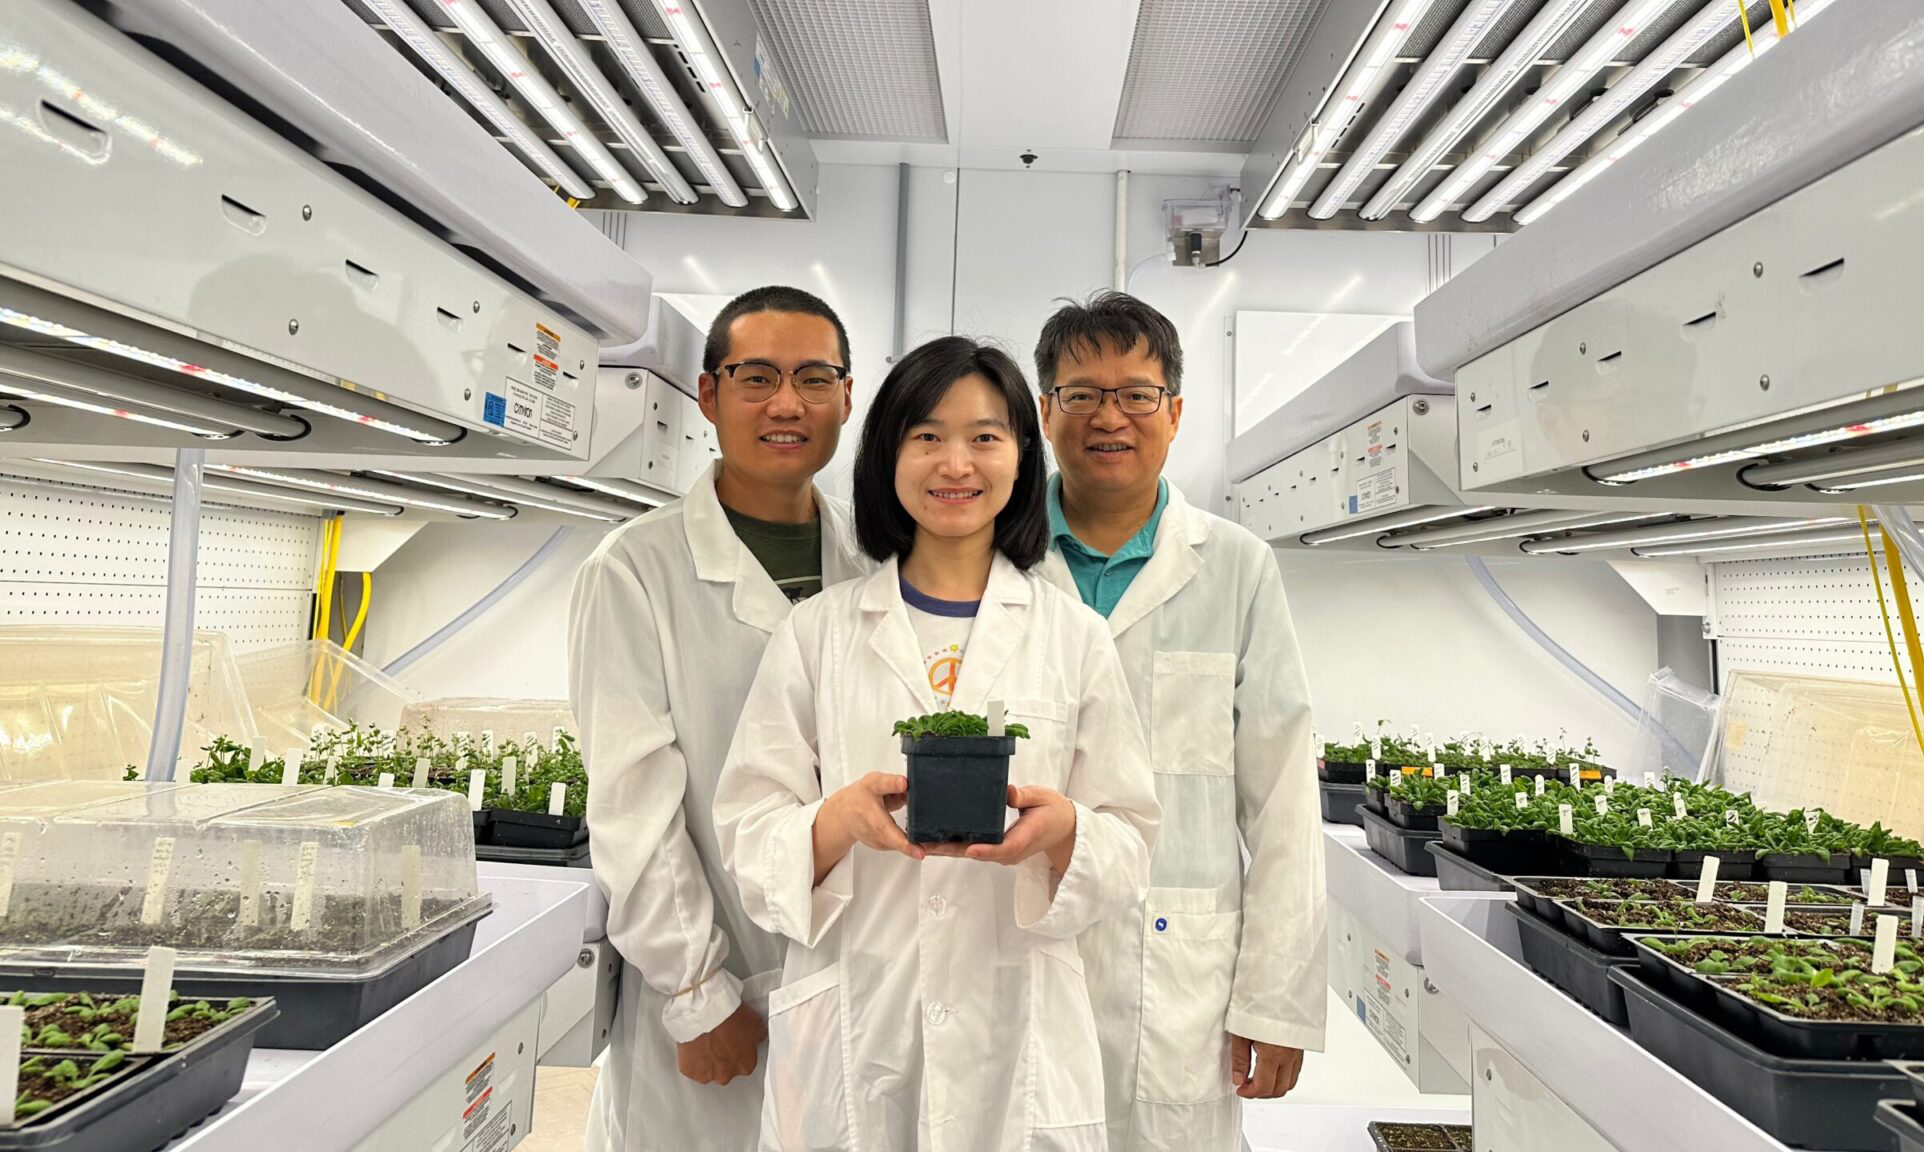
(953, 724)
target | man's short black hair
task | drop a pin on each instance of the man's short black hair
(1114, 318)
(772, 298)
(912, 390)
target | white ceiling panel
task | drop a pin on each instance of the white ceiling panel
(1209, 70)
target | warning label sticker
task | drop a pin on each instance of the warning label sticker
(547, 357)
(484, 1127)
(1374, 490)
(539, 415)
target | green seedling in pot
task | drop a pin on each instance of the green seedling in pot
(953, 724)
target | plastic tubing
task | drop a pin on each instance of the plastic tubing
(447, 631)
(177, 631)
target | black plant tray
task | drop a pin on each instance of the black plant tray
(157, 1099)
(1816, 1039)
(1914, 1071)
(1608, 939)
(1373, 799)
(1400, 846)
(1901, 1117)
(1862, 864)
(1609, 860)
(1456, 873)
(1404, 816)
(1340, 802)
(1803, 867)
(483, 824)
(514, 829)
(1511, 851)
(315, 1012)
(1804, 1103)
(574, 856)
(1340, 772)
(1580, 971)
(1438, 1137)
(1739, 864)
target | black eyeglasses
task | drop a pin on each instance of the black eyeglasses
(758, 380)
(1134, 400)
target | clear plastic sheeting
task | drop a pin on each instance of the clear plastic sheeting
(1841, 745)
(78, 703)
(241, 878)
(1677, 730)
(508, 719)
(296, 688)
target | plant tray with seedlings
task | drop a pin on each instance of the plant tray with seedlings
(1340, 802)
(1456, 873)
(1403, 848)
(1420, 1137)
(1803, 867)
(1539, 894)
(958, 777)
(1341, 771)
(1415, 809)
(1830, 921)
(1602, 923)
(83, 1089)
(1906, 1119)
(1832, 1013)
(1732, 863)
(1758, 892)
(1580, 971)
(1509, 850)
(1825, 1104)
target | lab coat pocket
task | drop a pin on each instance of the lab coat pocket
(1065, 1054)
(1192, 728)
(1043, 759)
(1189, 961)
(805, 1102)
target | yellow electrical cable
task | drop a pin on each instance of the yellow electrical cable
(1779, 17)
(1897, 663)
(324, 615)
(353, 634)
(1743, 16)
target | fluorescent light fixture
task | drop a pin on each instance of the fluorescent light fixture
(1567, 81)
(1838, 464)
(593, 87)
(1813, 428)
(514, 490)
(1818, 539)
(620, 489)
(696, 44)
(547, 103)
(1522, 53)
(1706, 528)
(116, 389)
(434, 51)
(1708, 81)
(1410, 104)
(631, 49)
(1592, 118)
(1357, 86)
(1509, 528)
(1909, 475)
(98, 405)
(159, 474)
(376, 490)
(1388, 522)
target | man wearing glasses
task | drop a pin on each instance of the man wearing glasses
(1211, 995)
(666, 630)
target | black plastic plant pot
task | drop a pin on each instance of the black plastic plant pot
(1732, 864)
(1913, 1071)
(1456, 873)
(1392, 1137)
(1340, 802)
(1611, 860)
(1340, 772)
(1403, 814)
(1898, 865)
(577, 856)
(1403, 848)
(1580, 971)
(538, 829)
(1802, 1103)
(958, 788)
(1373, 799)
(1803, 867)
(1903, 1117)
(1508, 850)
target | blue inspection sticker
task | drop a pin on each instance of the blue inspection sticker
(494, 410)
(1162, 924)
(1352, 505)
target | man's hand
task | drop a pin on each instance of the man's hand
(727, 1052)
(1047, 824)
(1274, 1074)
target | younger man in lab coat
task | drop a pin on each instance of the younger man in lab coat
(1213, 994)
(667, 627)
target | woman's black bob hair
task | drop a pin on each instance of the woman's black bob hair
(912, 390)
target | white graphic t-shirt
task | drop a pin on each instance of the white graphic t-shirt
(942, 627)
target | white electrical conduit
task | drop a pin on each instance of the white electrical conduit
(177, 629)
(1120, 276)
(411, 656)
(38, 368)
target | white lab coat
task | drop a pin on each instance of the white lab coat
(668, 623)
(1207, 643)
(937, 1006)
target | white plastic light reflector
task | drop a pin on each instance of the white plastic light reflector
(1416, 98)
(698, 47)
(1817, 439)
(326, 482)
(547, 103)
(1356, 87)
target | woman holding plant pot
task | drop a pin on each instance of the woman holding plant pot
(933, 996)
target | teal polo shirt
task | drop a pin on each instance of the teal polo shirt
(1103, 579)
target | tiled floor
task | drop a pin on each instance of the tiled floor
(560, 1109)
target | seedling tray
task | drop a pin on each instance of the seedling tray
(1400, 846)
(1392, 1137)
(1373, 799)
(1459, 874)
(317, 1011)
(1898, 865)
(1534, 892)
(1731, 865)
(1340, 772)
(1804, 1103)
(1579, 970)
(1404, 815)
(1340, 802)
(1901, 1117)
(1498, 849)
(514, 829)
(575, 856)
(156, 1099)
(1610, 860)
(1803, 867)
(1914, 1072)
(1610, 939)
(1815, 1039)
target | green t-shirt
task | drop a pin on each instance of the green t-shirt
(791, 554)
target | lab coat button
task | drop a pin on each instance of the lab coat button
(937, 905)
(1162, 924)
(938, 1012)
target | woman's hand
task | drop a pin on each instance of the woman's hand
(1047, 824)
(858, 813)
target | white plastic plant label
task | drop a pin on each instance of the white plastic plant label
(1522, 801)
(1566, 821)
(1576, 779)
(1439, 772)
(1376, 749)
(1880, 880)
(410, 885)
(386, 780)
(1677, 805)
(1730, 817)
(1450, 802)
(487, 741)
(250, 883)
(1464, 781)
(333, 770)
(1910, 880)
(1609, 785)
(9, 860)
(12, 1020)
(1539, 784)
(1643, 817)
(1649, 779)
(1857, 919)
(1917, 916)
(477, 788)
(1603, 806)
(421, 766)
(159, 867)
(1774, 907)
(1884, 949)
(306, 869)
(997, 729)
(558, 799)
(256, 754)
(1503, 773)
(1707, 880)
(1369, 768)
(1661, 785)
(509, 769)
(291, 767)
(1810, 820)
(156, 988)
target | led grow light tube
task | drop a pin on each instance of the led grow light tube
(1707, 528)
(547, 103)
(1808, 539)
(1883, 479)
(375, 490)
(1829, 424)
(1519, 56)
(115, 389)
(1604, 46)
(1708, 81)
(631, 49)
(1387, 523)
(1410, 104)
(514, 490)
(164, 476)
(587, 79)
(696, 44)
(620, 489)
(1510, 528)
(106, 331)
(1355, 88)
(89, 402)
(1845, 462)
(1617, 100)
(434, 51)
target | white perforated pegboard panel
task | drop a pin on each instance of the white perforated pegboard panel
(1813, 616)
(81, 556)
